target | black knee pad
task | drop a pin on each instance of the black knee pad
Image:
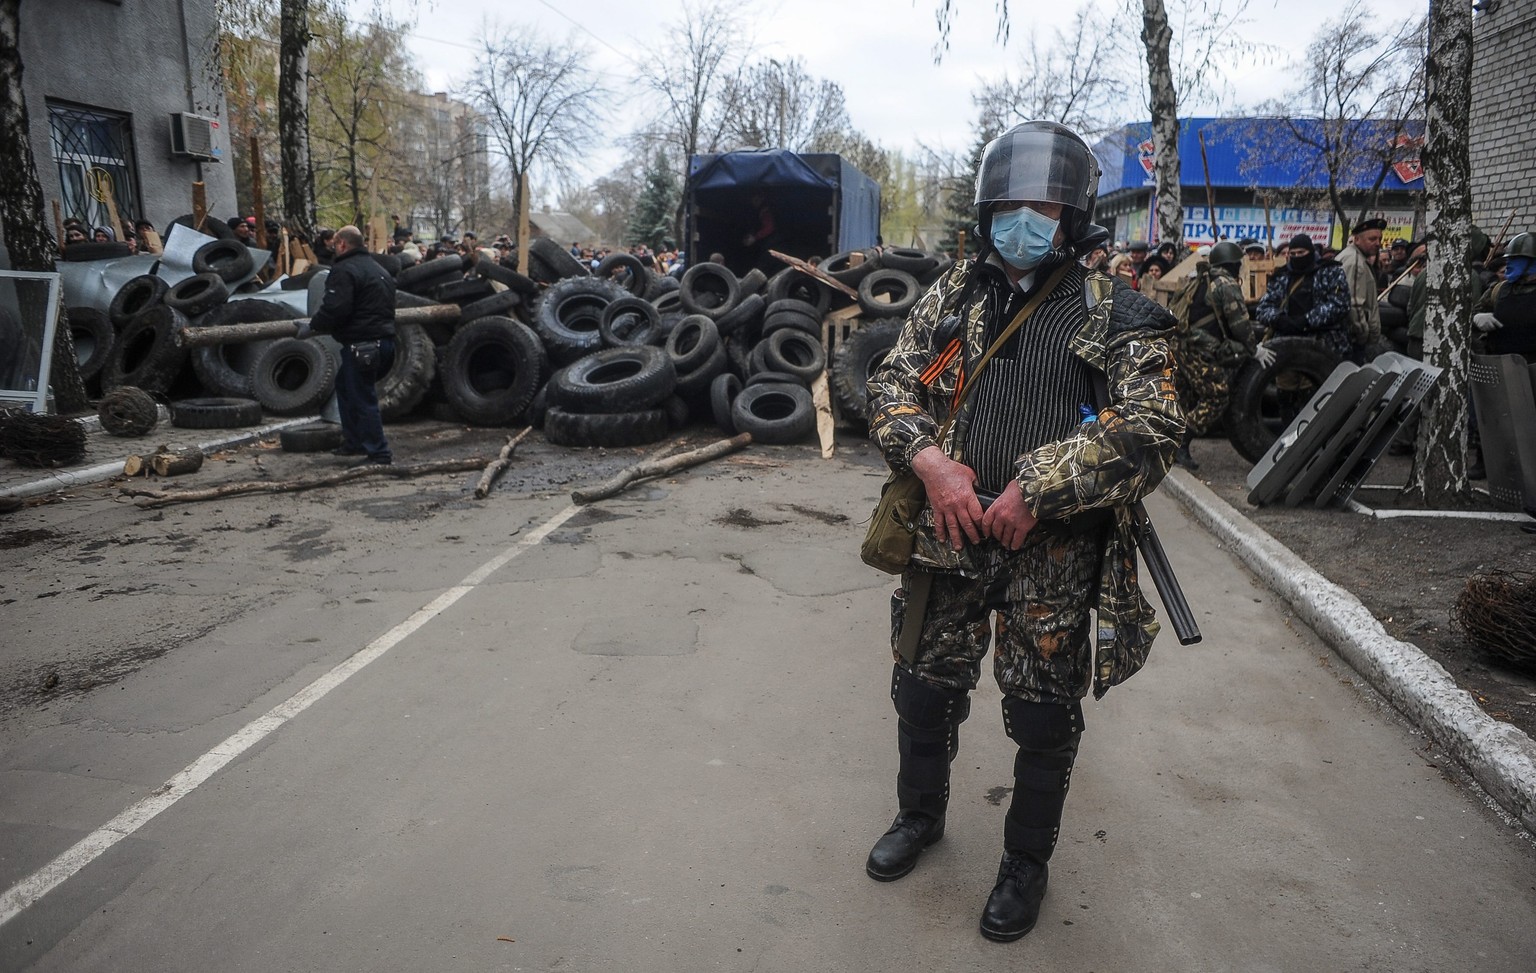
(1043, 726)
(926, 706)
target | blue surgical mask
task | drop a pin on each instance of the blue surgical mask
(1516, 268)
(1023, 237)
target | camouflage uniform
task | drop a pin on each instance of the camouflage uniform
(1043, 591)
(1210, 350)
(1320, 311)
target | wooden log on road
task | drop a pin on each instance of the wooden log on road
(236, 334)
(661, 467)
(161, 498)
(175, 462)
(499, 464)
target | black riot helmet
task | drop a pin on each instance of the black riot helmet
(1226, 254)
(1042, 162)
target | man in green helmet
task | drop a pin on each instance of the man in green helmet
(1214, 337)
(1506, 313)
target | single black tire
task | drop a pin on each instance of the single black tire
(696, 382)
(423, 277)
(915, 262)
(197, 295)
(604, 428)
(661, 287)
(774, 413)
(407, 299)
(293, 377)
(570, 315)
(840, 266)
(888, 293)
(389, 261)
(692, 342)
(737, 352)
(795, 353)
(753, 282)
(128, 411)
(137, 295)
(557, 258)
(404, 386)
(755, 363)
(1265, 400)
(678, 412)
(540, 270)
(502, 304)
(745, 318)
(225, 370)
(87, 250)
(148, 353)
(311, 437)
(774, 378)
(722, 392)
(630, 321)
(792, 314)
(491, 370)
(791, 284)
(468, 290)
(669, 302)
(940, 269)
(218, 229)
(624, 379)
(709, 289)
(855, 360)
(502, 274)
(94, 337)
(534, 415)
(638, 279)
(215, 413)
(230, 259)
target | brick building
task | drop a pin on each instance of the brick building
(1503, 123)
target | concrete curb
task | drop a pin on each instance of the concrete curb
(1499, 757)
(64, 479)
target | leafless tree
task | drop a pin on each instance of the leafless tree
(703, 51)
(1440, 473)
(944, 15)
(777, 104)
(1073, 77)
(542, 104)
(293, 115)
(1353, 115)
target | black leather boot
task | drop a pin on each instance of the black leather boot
(1047, 735)
(1182, 455)
(927, 734)
(1014, 905)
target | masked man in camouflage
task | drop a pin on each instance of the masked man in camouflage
(1215, 336)
(1072, 421)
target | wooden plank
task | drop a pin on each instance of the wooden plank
(199, 205)
(522, 224)
(58, 223)
(258, 206)
(816, 272)
(821, 394)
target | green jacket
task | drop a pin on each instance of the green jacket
(1108, 463)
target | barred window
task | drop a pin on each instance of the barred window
(94, 152)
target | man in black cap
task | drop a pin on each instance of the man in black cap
(1307, 297)
(1358, 261)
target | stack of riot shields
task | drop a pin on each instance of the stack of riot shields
(1502, 397)
(1327, 451)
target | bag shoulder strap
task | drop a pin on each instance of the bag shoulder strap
(1018, 320)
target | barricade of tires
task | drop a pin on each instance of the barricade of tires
(611, 356)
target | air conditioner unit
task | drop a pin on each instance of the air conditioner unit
(192, 135)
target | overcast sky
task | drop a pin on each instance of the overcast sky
(879, 51)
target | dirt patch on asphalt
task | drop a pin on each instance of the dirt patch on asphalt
(1408, 571)
(12, 539)
(742, 517)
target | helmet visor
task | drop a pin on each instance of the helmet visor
(1039, 166)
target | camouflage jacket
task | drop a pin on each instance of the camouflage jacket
(1328, 318)
(1108, 463)
(1225, 296)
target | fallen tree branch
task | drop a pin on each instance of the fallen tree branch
(660, 467)
(499, 464)
(161, 498)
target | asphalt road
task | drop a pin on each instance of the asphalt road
(655, 734)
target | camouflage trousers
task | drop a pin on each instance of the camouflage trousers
(1204, 389)
(1036, 601)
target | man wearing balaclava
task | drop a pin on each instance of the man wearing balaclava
(1026, 527)
(1506, 313)
(1308, 298)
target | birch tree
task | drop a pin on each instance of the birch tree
(1163, 102)
(28, 241)
(293, 115)
(1440, 471)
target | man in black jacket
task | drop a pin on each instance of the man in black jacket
(359, 312)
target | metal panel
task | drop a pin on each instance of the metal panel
(1322, 416)
(1322, 463)
(1404, 396)
(1506, 417)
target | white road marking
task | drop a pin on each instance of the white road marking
(28, 891)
